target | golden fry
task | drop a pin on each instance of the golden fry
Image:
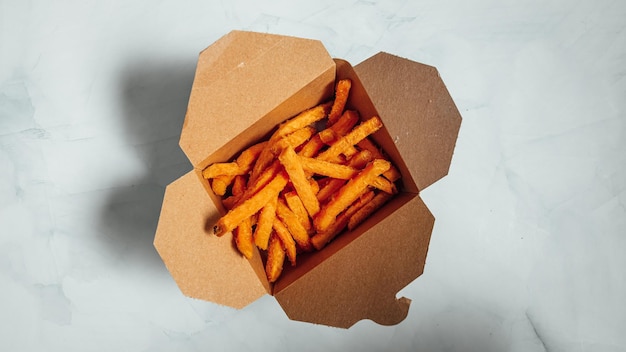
(243, 238)
(290, 245)
(295, 204)
(251, 205)
(239, 185)
(384, 185)
(221, 183)
(247, 158)
(275, 259)
(292, 165)
(349, 140)
(325, 168)
(342, 91)
(368, 209)
(350, 192)
(219, 169)
(366, 144)
(264, 225)
(297, 231)
(294, 139)
(343, 126)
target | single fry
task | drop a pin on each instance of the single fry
(288, 242)
(368, 209)
(243, 238)
(264, 225)
(342, 91)
(297, 231)
(275, 259)
(384, 185)
(220, 184)
(247, 158)
(348, 141)
(251, 205)
(295, 205)
(325, 168)
(219, 169)
(239, 185)
(350, 192)
(292, 165)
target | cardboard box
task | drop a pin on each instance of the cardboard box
(246, 84)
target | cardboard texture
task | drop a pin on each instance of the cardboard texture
(246, 84)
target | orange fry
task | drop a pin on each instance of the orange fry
(281, 231)
(251, 205)
(349, 140)
(384, 185)
(275, 259)
(368, 209)
(264, 225)
(342, 91)
(243, 238)
(325, 168)
(221, 183)
(218, 169)
(343, 126)
(350, 192)
(295, 204)
(294, 139)
(247, 158)
(366, 144)
(292, 165)
(298, 232)
(239, 185)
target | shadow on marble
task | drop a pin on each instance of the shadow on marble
(153, 99)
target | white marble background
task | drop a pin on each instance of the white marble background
(528, 251)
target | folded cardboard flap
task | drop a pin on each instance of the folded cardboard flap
(246, 84)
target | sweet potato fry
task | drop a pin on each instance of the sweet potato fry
(297, 231)
(366, 144)
(243, 238)
(342, 90)
(367, 210)
(320, 239)
(275, 259)
(294, 139)
(246, 159)
(343, 126)
(282, 232)
(292, 165)
(295, 204)
(220, 184)
(325, 168)
(251, 205)
(358, 161)
(349, 193)
(384, 185)
(349, 140)
(218, 169)
(264, 225)
(239, 185)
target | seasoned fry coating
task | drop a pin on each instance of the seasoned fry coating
(275, 259)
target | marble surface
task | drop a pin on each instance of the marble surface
(528, 250)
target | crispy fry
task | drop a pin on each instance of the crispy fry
(275, 259)
(247, 158)
(342, 91)
(295, 204)
(366, 144)
(251, 205)
(315, 187)
(343, 126)
(219, 169)
(265, 223)
(384, 185)
(239, 185)
(322, 238)
(294, 139)
(243, 238)
(367, 210)
(358, 161)
(325, 168)
(292, 165)
(281, 231)
(348, 141)
(221, 183)
(297, 231)
(349, 193)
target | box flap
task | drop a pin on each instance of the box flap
(204, 266)
(419, 113)
(361, 280)
(243, 77)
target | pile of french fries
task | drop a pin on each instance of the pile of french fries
(301, 188)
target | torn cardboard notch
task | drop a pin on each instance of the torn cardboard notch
(245, 85)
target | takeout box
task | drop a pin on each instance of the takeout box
(247, 83)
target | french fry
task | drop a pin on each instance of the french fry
(243, 238)
(322, 238)
(349, 140)
(221, 183)
(264, 225)
(325, 168)
(343, 126)
(295, 204)
(292, 165)
(239, 185)
(247, 158)
(358, 161)
(275, 259)
(368, 209)
(342, 91)
(297, 231)
(251, 205)
(349, 193)
(219, 169)
(384, 185)
(294, 140)
(290, 245)
(366, 144)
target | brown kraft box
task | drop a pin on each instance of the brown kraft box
(246, 83)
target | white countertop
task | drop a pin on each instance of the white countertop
(529, 246)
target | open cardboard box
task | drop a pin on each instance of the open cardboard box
(246, 83)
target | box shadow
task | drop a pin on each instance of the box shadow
(153, 100)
